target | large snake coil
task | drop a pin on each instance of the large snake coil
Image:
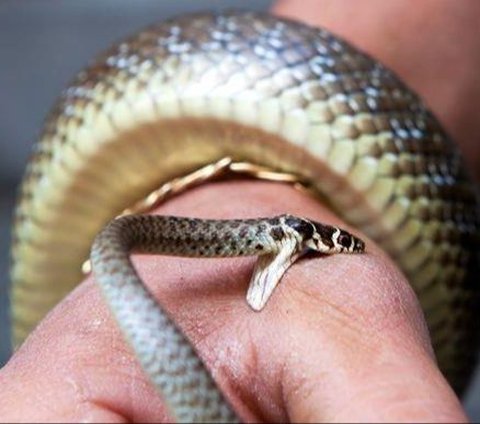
(274, 92)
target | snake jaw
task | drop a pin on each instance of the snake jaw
(270, 269)
(316, 244)
(298, 233)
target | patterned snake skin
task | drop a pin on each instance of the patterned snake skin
(164, 352)
(256, 88)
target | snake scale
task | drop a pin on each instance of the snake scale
(270, 91)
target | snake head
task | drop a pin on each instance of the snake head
(330, 239)
(323, 238)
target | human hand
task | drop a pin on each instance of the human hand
(342, 338)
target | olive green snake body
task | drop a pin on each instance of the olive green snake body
(189, 91)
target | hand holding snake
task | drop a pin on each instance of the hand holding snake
(332, 320)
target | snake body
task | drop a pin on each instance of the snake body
(162, 349)
(297, 99)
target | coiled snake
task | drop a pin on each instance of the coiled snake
(195, 89)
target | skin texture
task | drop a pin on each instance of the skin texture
(343, 338)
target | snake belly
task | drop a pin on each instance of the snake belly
(297, 99)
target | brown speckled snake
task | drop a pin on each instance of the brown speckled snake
(258, 89)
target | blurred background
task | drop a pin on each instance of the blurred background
(43, 44)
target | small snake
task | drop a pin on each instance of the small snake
(272, 92)
(164, 352)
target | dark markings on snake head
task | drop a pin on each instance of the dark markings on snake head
(259, 246)
(326, 233)
(277, 233)
(301, 226)
(344, 239)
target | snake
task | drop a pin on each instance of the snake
(165, 354)
(273, 92)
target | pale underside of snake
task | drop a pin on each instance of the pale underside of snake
(192, 90)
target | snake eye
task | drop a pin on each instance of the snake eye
(344, 240)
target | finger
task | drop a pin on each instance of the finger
(368, 357)
(75, 367)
